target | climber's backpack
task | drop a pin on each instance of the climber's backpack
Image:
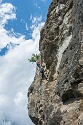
(41, 69)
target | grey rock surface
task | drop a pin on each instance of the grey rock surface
(59, 101)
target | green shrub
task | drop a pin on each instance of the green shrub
(34, 58)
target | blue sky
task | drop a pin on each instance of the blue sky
(20, 25)
(25, 11)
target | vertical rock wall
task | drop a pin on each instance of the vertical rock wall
(59, 101)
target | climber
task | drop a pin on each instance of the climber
(38, 64)
(41, 70)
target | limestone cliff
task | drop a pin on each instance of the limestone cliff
(59, 101)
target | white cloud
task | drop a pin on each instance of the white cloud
(11, 113)
(27, 26)
(31, 17)
(7, 11)
(36, 29)
(36, 5)
(35, 21)
(20, 99)
(16, 73)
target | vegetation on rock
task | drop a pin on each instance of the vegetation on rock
(34, 58)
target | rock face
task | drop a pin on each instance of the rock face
(59, 101)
